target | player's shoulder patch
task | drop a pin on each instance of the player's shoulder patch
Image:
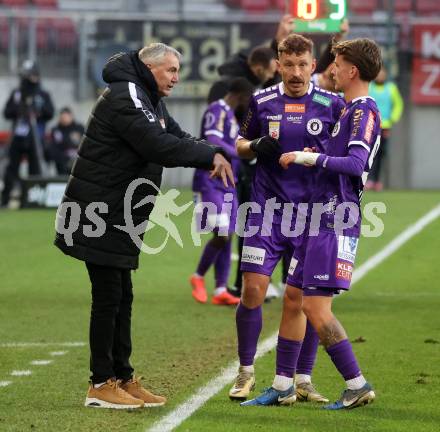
(324, 97)
(326, 92)
(264, 98)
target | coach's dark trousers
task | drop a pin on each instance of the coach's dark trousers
(110, 323)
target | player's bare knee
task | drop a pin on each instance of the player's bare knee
(292, 300)
(254, 290)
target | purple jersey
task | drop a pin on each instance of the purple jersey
(359, 125)
(219, 127)
(301, 122)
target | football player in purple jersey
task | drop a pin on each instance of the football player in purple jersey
(219, 127)
(326, 264)
(292, 115)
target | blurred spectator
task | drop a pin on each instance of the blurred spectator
(390, 104)
(65, 138)
(29, 107)
(258, 68)
(323, 76)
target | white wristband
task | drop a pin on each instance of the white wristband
(306, 158)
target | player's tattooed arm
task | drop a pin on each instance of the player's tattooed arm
(331, 333)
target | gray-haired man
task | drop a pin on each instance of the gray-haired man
(130, 135)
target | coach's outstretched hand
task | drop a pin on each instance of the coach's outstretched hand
(266, 147)
(222, 169)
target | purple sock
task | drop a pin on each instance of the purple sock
(307, 356)
(208, 257)
(343, 358)
(222, 265)
(249, 323)
(287, 356)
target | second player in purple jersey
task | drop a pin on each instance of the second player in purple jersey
(329, 255)
(218, 203)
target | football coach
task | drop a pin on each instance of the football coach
(130, 135)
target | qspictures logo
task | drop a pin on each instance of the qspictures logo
(246, 220)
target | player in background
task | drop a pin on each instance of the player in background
(289, 116)
(327, 264)
(390, 103)
(219, 127)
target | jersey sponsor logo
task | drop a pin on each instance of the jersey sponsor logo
(275, 117)
(322, 100)
(344, 270)
(274, 129)
(357, 118)
(336, 129)
(292, 266)
(370, 127)
(266, 98)
(253, 255)
(295, 119)
(314, 126)
(347, 247)
(295, 108)
(322, 277)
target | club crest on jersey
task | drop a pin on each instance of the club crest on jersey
(314, 126)
(336, 129)
(274, 129)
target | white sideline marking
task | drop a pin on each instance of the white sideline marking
(183, 411)
(21, 372)
(58, 353)
(40, 344)
(5, 383)
(41, 362)
(395, 244)
(203, 394)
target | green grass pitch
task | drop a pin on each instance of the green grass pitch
(180, 345)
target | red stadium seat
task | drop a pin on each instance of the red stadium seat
(4, 33)
(65, 32)
(279, 4)
(400, 6)
(14, 3)
(43, 26)
(363, 7)
(427, 7)
(46, 4)
(255, 5)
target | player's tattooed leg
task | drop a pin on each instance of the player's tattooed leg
(331, 333)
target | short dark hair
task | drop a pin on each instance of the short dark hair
(240, 86)
(261, 55)
(364, 54)
(65, 110)
(295, 44)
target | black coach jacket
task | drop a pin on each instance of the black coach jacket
(129, 135)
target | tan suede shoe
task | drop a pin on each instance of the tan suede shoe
(135, 389)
